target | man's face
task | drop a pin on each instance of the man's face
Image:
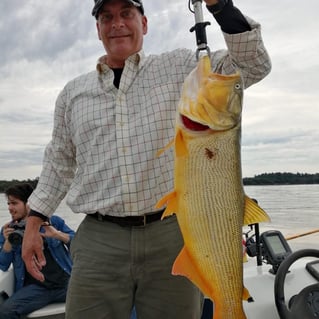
(17, 208)
(121, 28)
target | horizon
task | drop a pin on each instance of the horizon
(256, 175)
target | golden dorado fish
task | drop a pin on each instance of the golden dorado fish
(208, 197)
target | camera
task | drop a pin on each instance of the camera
(16, 237)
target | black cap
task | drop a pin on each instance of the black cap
(99, 3)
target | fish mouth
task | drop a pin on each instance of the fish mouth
(192, 125)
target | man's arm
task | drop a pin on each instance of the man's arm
(5, 245)
(52, 232)
(58, 229)
(32, 247)
(230, 19)
(246, 51)
(5, 248)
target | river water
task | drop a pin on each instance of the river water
(293, 209)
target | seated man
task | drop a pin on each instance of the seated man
(30, 294)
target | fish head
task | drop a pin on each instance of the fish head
(210, 100)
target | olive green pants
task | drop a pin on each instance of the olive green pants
(116, 268)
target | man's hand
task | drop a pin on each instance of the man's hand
(6, 232)
(32, 248)
(211, 2)
(50, 231)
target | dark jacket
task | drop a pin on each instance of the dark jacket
(59, 251)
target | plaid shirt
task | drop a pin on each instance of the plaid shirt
(105, 140)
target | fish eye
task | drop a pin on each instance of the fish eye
(237, 86)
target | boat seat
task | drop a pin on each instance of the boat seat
(7, 281)
(49, 310)
(7, 286)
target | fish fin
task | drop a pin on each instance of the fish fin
(180, 146)
(254, 213)
(171, 204)
(185, 266)
(246, 295)
(165, 148)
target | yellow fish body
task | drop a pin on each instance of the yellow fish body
(208, 197)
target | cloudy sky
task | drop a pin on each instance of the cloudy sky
(43, 44)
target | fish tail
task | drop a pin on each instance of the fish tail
(237, 311)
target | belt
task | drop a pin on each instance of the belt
(130, 221)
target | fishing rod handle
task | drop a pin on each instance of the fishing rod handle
(198, 11)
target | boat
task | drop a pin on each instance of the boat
(283, 283)
(52, 311)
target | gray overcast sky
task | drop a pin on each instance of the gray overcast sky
(44, 44)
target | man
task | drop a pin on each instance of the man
(29, 293)
(109, 124)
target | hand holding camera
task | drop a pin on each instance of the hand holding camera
(15, 237)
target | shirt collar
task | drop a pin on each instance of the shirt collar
(137, 59)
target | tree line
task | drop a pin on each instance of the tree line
(262, 179)
(282, 179)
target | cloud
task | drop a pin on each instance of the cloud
(44, 44)
(43, 29)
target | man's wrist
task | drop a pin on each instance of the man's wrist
(7, 247)
(37, 214)
(229, 18)
(63, 237)
(218, 7)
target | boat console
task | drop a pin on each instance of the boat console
(275, 248)
(292, 274)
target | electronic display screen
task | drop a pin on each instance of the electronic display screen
(276, 244)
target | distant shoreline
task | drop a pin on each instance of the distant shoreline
(282, 179)
(261, 179)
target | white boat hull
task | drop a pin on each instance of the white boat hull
(52, 311)
(260, 283)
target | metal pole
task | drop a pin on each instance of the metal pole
(199, 27)
(258, 248)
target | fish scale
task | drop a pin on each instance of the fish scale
(215, 175)
(208, 197)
